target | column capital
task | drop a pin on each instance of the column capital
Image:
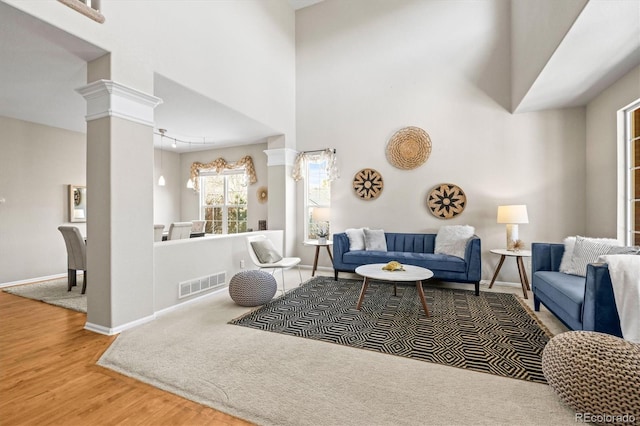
(281, 156)
(106, 98)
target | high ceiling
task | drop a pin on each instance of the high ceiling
(41, 66)
(601, 46)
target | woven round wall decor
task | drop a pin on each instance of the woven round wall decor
(368, 184)
(409, 148)
(446, 201)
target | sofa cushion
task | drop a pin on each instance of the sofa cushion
(452, 239)
(586, 251)
(565, 290)
(265, 251)
(569, 245)
(356, 238)
(436, 262)
(412, 243)
(374, 240)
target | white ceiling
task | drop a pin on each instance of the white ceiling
(191, 117)
(602, 45)
(40, 66)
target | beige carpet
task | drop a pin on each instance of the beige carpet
(273, 379)
(53, 292)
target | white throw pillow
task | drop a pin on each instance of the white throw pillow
(586, 251)
(374, 239)
(565, 263)
(624, 250)
(569, 245)
(452, 239)
(265, 251)
(356, 238)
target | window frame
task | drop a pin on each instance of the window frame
(630, 124)
(226, 205)
(309, 234)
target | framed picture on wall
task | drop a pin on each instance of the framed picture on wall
(77, 203)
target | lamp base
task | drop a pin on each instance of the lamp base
(512, 236)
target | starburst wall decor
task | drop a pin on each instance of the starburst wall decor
(446, 201)
(368, 184)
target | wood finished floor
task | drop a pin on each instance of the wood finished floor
(48, 375)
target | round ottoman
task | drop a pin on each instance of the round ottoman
(252, 288)
(596, 374)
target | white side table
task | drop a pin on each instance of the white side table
(523, 273)
(319, 244)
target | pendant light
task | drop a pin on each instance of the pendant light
(161, 181)
(189, 180)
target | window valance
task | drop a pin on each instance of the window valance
(328, 155)
(220, 164)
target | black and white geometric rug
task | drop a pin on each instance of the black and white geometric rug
(492, 333)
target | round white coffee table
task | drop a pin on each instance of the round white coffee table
(374, 271)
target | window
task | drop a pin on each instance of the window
(223, 201)
(632, 173)
(317, 197)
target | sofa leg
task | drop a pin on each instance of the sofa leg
(536, 303)
(477, 283)
(335, 275)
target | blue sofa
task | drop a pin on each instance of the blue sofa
(412, 249)
(580, 303)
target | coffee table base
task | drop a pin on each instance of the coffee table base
(365, 284)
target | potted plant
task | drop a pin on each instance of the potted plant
(322, 235)
(322, 232)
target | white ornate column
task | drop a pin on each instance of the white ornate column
(119, 206)
(281, 213)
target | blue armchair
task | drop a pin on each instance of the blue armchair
(580, 303)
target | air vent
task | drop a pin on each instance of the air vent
(201, 284)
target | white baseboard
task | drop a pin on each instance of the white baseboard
(35, 280)
(119, 329)
(195, 299)
(504, 283)
(116, 330)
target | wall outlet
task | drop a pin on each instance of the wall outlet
(242, 264)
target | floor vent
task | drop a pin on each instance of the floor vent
(202, 284)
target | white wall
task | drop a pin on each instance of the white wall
(166, 199)
(37, 163)
(184, 260)
(605, 157)
(368, 68)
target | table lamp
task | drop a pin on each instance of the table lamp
(321, 216)
(512, 216)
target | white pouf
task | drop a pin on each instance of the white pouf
(252, 288)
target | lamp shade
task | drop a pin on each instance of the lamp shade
(513, 214)
(321, 214)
